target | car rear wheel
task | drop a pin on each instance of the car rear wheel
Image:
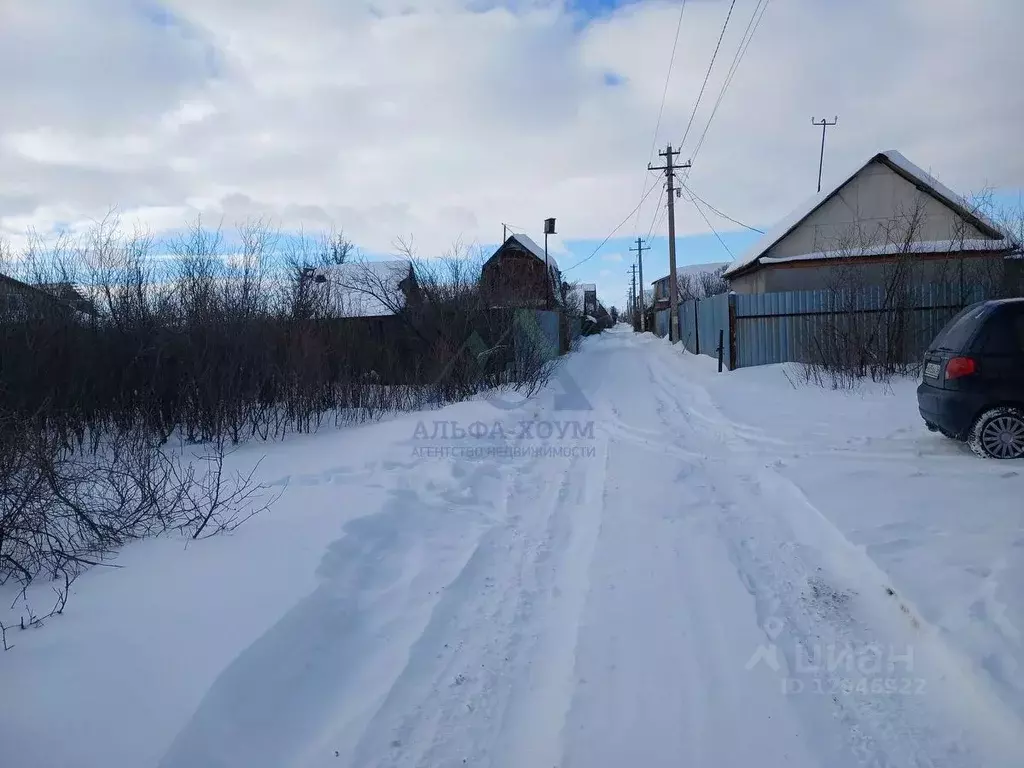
(999, 434)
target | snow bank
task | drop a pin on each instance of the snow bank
(112, 681)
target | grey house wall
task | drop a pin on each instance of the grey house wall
(751, 282)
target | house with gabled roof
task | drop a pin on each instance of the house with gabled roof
(519, 274)
(887, 211)
(691, 281)
(18, 299)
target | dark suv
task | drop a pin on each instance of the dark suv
(973, 383)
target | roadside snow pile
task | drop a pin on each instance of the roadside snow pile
(111, 681)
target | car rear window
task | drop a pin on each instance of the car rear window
(1003, 333)
(960, 330)
(1017, 331)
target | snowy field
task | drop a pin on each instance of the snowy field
(649, 564)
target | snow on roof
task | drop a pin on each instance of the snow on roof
(889, 249)
(890, 157)
(367, 288)
(533, 248)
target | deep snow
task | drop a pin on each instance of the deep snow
(700, 569)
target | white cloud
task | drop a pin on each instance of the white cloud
(612, 257)
(425, 117)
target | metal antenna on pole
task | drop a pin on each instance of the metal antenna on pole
(824, 124)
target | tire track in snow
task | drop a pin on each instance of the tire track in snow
(779, 563)
(534, 725)
(509, 672)
(457, 670)
(667, 626)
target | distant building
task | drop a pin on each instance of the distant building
(590, 303)
(71, 295)
(368, 288)
(19, 299)
(692, 281)
(515, 276)
(887, 211)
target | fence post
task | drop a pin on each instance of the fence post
(721, 347)
(732, 331)
(696, 324)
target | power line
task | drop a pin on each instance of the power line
(664, 96)
(748, 35)
(659, 212)
(723, 215)
(668, 78)
(612, 233)
(710, 226)
(741, 51)
(708, 73)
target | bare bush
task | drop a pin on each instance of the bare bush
(892, 286)
(210, 345)
(63, 510)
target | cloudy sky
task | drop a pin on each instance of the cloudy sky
(442, 119)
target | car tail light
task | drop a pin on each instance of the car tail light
(960, 366)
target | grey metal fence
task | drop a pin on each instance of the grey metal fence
(789, 326)
(702, 323)
(661, 323)
(765, 328)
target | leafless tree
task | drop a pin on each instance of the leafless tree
(702, 284)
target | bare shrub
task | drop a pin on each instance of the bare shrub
(197, 342)
(63, 510)
(881, 314)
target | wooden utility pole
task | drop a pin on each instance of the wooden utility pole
(632, 294)
(821, 160)
(670, 168)
(639, 250)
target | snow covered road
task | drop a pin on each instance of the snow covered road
(617, 577)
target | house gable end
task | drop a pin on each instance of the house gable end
(886, 199)
(876, 207)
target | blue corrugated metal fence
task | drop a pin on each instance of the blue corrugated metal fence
(701, 323)
(797, 326)
(793, 326)
(661, 322)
